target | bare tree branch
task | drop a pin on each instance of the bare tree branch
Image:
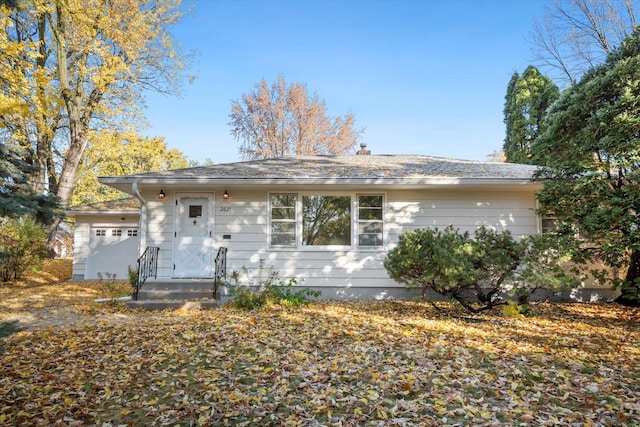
(576, 35)
(282, 120)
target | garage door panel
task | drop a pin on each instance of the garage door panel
(112, 250)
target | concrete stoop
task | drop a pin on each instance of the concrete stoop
(192, 294)
(173, 304)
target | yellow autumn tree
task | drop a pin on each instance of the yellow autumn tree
(76, 66)
(111, 154)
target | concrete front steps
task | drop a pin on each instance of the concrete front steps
(188, 294)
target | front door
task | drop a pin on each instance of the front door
(193, 245)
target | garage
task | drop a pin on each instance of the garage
(112, 250)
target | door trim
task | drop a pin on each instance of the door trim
(210, 223)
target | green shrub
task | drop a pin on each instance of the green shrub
(478, 272)
(546, 264)
(23, 245)
(286, 294)
(269, 290)
(248, 299)
(133, 276)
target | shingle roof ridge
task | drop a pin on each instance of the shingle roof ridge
(336, 156)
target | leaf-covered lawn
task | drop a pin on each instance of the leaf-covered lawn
(44, 298)
(366, 363)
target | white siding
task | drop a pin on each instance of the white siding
(514, 211)
(80, 248)
(160, 229)
(243, 220)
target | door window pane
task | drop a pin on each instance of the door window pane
(195, 211)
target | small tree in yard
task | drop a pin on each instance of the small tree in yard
(23, 244)
(475, 272)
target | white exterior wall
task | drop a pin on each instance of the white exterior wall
(159, 230)
(80, 248)
(81, 237)
(467, 210)
(342, 273)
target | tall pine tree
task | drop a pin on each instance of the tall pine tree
(17, 197)
(528, 97)
(591, 147)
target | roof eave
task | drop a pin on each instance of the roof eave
(129, 180)
(77, 212)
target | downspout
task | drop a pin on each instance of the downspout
(135, 189)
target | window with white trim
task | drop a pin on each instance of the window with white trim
(132, 232)
(283, 220)
(101, 232)
(316, 220)
(116, 232)
(370, 220)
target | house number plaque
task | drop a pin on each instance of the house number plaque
(225, 209)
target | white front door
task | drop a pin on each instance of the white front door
(193, 244)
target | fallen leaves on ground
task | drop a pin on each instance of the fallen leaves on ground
(44, 297)
(335, 364)
(53, 270)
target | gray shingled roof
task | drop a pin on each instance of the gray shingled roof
(371, 167)
(128, 204)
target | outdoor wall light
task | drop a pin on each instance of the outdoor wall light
(225, 195)
(161, 195)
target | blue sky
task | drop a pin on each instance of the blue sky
(422, 77)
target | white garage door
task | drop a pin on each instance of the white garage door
(112, 250)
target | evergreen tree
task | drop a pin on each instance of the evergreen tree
(528, 97)
(592, 183)
(17, 197)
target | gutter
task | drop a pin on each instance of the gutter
(135, 189)
(123, 183)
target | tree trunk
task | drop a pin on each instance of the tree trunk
(631, 287)
(78, 138)
(67, 176)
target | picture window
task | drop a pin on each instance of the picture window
(310, 220)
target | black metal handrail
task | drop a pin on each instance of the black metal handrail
(147, 267)
(220, 269)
